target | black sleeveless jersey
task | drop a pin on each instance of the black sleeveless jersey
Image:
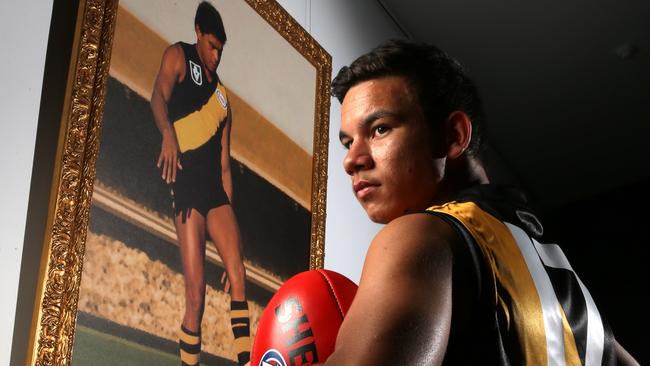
(197, 108)
(533, 308)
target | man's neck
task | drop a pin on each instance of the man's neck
(461, 174)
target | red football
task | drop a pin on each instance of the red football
(300, 323)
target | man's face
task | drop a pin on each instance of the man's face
(389, 144)
(210, 49)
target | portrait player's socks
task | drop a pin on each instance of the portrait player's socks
(240, 321)
(190, 347)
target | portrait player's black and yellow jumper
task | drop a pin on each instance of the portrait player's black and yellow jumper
(198, 110)
(537, 309)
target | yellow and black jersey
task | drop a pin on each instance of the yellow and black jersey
(197, 108)
(539, 311)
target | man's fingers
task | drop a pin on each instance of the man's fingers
(170, 165)
(164, 169)
(160, 159)
(173, 167)
(170, 161)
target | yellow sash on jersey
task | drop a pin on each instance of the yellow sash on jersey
(518, 297)
(198, 127)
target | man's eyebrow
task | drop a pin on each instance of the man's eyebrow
(377, 115)
(369, 119)
(216, 45)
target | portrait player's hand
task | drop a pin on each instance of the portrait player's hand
(169, 160)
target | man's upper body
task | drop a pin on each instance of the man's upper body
(411, 121)
(210, 41)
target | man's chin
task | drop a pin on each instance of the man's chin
(377, 216)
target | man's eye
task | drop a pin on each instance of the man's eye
(346, 144)
(380, 130)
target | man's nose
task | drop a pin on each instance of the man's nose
(357, 158)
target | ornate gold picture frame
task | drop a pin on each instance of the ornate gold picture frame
(110, 47)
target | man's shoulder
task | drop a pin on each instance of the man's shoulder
(412, 237)
(175, 50)
(173, 59)
(421, 224)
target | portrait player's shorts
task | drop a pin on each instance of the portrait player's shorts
(199, 184)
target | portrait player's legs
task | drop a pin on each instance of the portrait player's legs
(191, 238)
(224, 231)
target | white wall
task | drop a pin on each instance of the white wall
(21, 71)
(344, 28)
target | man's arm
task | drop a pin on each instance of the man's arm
(171, 70)
(401, 314)
(226, 176)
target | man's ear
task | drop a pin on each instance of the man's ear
(459, 133)
(198, 32)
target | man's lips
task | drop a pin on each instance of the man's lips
(363, 188)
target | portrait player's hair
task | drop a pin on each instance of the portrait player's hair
(441, 83)
(209, 21)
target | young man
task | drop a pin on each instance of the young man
(459, 275)
(191, 109)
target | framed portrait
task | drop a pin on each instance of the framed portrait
(112, 285)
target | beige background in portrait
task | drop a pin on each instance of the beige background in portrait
(271, 86)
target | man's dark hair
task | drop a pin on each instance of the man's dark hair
(209, 21)
(441, 84)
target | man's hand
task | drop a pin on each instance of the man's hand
(169, 159)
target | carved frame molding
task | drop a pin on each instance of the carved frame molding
(54, 319)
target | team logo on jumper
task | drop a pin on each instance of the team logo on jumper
(195, 70)
(272, 357)
(222, 98)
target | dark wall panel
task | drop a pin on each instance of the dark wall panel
(606, 240)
